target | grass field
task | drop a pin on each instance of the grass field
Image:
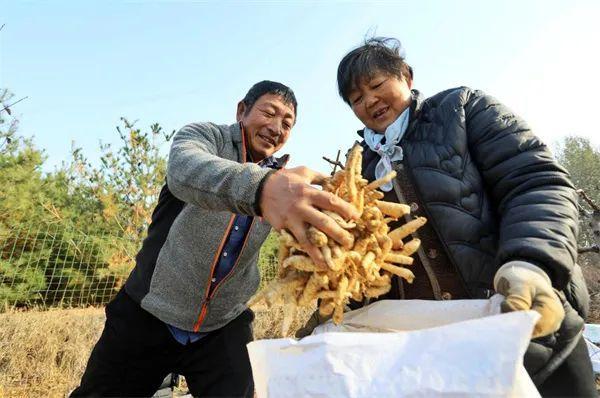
(43, 353)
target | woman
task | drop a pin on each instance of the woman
(502, 213)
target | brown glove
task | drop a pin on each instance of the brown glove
(525, 287)
(315, 320)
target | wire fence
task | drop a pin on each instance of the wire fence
(48, 265)
(268, 269)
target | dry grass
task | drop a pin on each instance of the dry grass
(44, 353)
(267, 325)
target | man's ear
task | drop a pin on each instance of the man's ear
(410, 83)
(241, 109)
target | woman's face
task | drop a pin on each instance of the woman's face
(378, 101)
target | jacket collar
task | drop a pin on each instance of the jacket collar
(238, 138)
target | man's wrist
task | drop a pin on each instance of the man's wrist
(259, 192)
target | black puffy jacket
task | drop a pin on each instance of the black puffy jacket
(493, 193)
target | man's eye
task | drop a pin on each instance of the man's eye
(269, 114)
(357, 100)
(377, 85)
(287, 126)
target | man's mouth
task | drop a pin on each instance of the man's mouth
(380, 112)
(267, 139)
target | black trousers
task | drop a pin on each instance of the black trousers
(573, 378)
(136, 352)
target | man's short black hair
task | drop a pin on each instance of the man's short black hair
(269, 87)
(377, 54)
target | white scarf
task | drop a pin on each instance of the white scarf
(389, 152)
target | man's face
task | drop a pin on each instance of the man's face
(267, 125)
(379, 101)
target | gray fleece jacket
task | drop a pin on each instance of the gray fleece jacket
(208, 182)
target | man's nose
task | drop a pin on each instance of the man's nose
(273, 128)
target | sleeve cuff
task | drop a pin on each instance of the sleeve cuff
(522, 265)
(259, 190)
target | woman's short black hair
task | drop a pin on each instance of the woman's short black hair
(377, 54)
(269, 87)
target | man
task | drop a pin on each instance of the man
(501, 212)
(183, 309)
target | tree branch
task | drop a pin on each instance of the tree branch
(336, 163)
(589, 249)
(589, 201)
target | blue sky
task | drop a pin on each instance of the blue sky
(86, 64)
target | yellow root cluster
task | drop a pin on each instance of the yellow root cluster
(365, 270)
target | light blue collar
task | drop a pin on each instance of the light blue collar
(389, 151)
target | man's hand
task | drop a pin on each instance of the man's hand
(289, 201)
(525, 287)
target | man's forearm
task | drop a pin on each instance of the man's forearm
(197, 175)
